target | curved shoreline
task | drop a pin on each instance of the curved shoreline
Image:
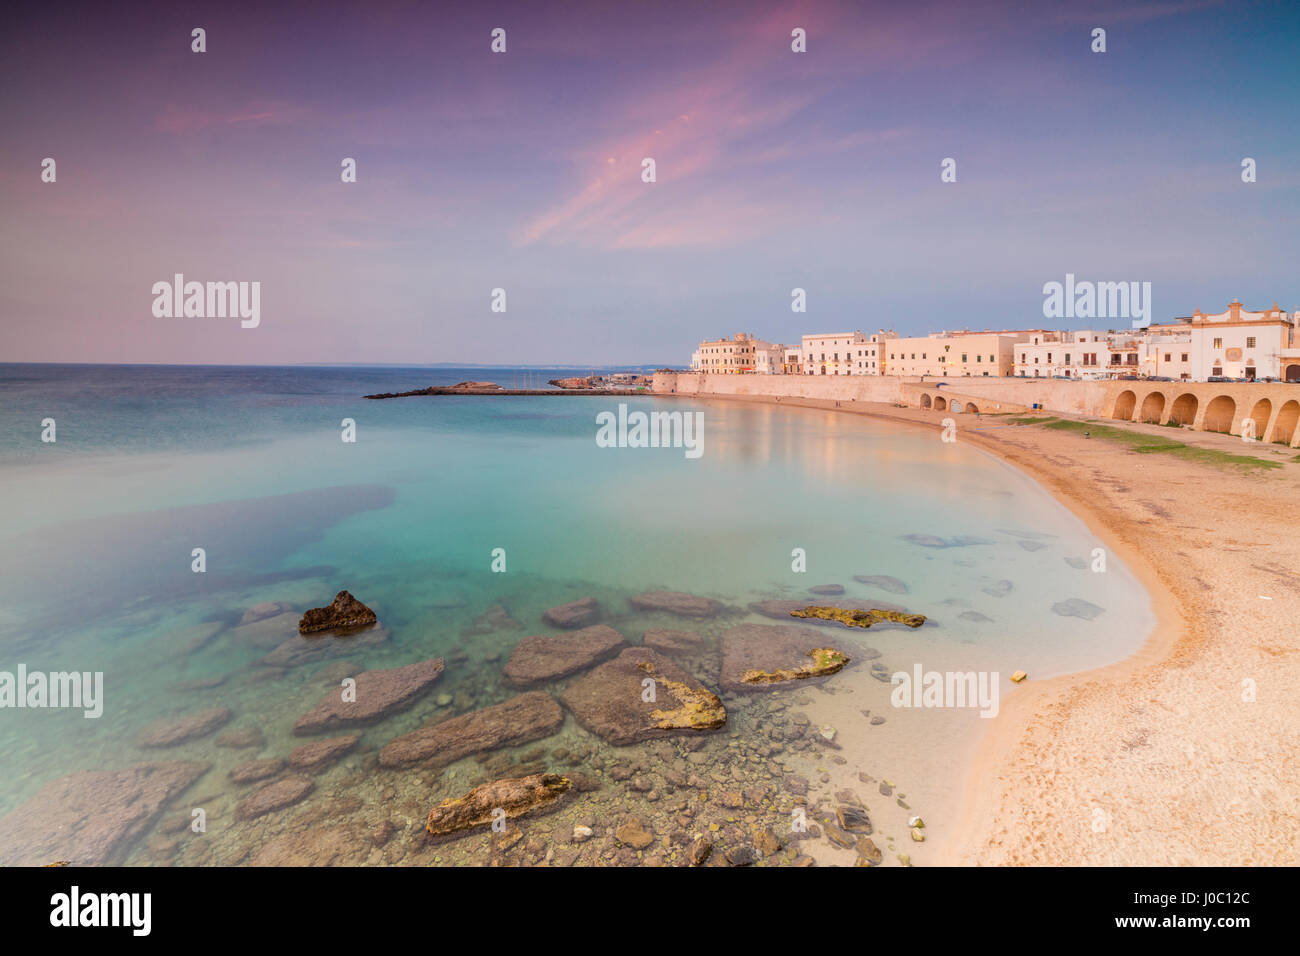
(1047, 766)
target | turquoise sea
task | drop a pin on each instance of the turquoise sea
(97, 531)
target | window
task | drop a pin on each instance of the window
(1168, 357)
(1067, 360)
(1250, 341)
(1184, 356)
(963, 356)
(1218, 343)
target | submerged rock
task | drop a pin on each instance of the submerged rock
(256, 770)
(610, 700)
(826, 589)
(676, 602)
(578, 613)
(331, 846)
(852, 617)
(999, 588)
(634, 834)
(92, 817)
(538, 659)
(495, 618)
(779, 610)
(179, 730)
(241, 738)
(274, 796)
(930, 541)
(883, 581)
(266, 633)
(377, 695)
(515, 796)
(1077, 607)
(671, 642)
(975, 617)
(765, 657)
(297, 650)
(519, 720)
(259, 612)
(319, 754)
(344, 613)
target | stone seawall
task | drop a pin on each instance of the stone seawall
(1269, 411)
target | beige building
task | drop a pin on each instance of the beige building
(1239, 343)
(727, 356)
(953, 354)
(844, 353)
(793, 360)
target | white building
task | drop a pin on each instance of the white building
(1237, 343)
(843, 353)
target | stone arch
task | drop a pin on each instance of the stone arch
(1219, 414)
(955, 406)
(1284, 430)
(972, 408)
(1124, 405)
(925, 400)
(941, 403)
(1153, 406)
(1260, 415)
(1292, 373)
(1184, 410)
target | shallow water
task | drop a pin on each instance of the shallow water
(95, 575)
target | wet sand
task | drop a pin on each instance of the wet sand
(1163, 758)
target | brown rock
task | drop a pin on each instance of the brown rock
(333, 846)
(378, 694)
(634, 834)
(319, 754)
(260, 612)
(676, 602)
(671, 642)
(256, 770)
(772, 649)
(92, 817)
(609, 703)
(578, 613)
(539, 659)
(701, 849)
(344, 613)
(780, 610)
(267, 632)
(296, 649)
(241, 738)
(515, 796)
(519, 720)
(178, 730)
(274, 796)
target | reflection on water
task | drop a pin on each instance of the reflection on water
(95, 574)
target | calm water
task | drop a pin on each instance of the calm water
(151, 462)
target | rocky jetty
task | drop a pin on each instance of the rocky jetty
(515, 796)
(345, 613)
(885, 582)
(672, 642)
(578, 613)
(175, 731)
(853, 617)
(297, 649)
(377, 695)
(274, 796)
(539, 659)
(676, 602)
(610, 700)
(319, 754)
(519, 720)
(766, 657)
(92, 817)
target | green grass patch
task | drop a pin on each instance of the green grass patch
(1030, 421)
(1145, 444)
(1296, 459)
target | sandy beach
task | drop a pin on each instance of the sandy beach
(1185, 753)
